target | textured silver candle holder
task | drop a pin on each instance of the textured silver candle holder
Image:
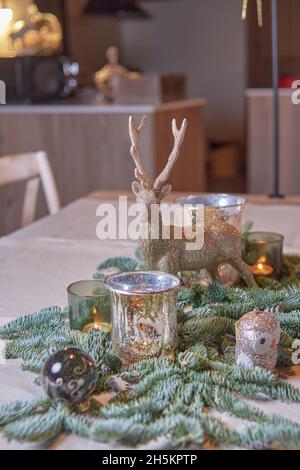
(225, 207)
(222, 213)
(144, 315)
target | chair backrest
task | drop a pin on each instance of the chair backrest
(33, 167)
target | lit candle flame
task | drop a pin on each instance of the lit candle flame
(94, 311)
(261, 268)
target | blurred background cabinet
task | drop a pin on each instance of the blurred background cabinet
(88, 148)
(260, 143)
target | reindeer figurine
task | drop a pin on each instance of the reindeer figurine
(222, 241)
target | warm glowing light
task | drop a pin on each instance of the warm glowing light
(261, 268)
(6, 15)
(97, 325)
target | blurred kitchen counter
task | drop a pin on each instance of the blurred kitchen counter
(88, 147)
(260, 142)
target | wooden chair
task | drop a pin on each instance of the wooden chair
(32, 167)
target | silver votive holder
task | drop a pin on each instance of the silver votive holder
(89, 306)
(218, 209)
(225, 207)
(144, 314)
(263, 252)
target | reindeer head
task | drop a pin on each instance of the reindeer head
(147, 191)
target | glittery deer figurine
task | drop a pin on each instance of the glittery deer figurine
(222, 241)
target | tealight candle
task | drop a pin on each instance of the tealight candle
(263, 252)
(89, 306)
(261, 268)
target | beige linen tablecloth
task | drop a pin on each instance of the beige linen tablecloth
(78, 221)
(37, 264)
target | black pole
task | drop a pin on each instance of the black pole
(276, 105)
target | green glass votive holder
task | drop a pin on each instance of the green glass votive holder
(262, 251)
(89, 306)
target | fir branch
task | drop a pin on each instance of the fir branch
(35, 428)
(46, 315)
(78, 424)
(122, 263)
(15, 410)
(172, 395)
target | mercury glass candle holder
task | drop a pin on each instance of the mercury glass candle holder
(144, 314)
(262, 251)
(89, 306)
(218, 208)
(228, 206)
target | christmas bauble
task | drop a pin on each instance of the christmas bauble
(70, 375)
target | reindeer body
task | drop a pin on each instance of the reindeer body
(222, 241)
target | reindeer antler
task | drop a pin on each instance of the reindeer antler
(178, 139)
(134, 133)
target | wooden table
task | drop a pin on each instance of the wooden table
(37, 264)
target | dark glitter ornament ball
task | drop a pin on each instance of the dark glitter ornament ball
(70, 375)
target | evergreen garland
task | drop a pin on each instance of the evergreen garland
(171, 396)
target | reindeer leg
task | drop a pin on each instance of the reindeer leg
(166, 266)
(214, 272)
(244, 271)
